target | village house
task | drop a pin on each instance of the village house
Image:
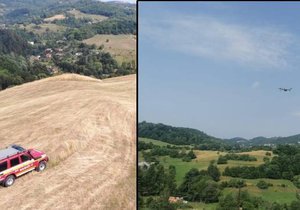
(52, 70)
(59, 54)
(60, 41)
(144, 164)
(48, 51)
(175, 199)
(48, 55)
(58, 50)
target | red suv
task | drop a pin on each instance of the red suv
(16, 161)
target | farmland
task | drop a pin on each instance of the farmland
(122, 47)
(55, 17)
(281, 190)
(44, 28)
(80, 15)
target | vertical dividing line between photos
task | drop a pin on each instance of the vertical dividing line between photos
(137, 94)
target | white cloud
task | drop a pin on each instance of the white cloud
(297, 114)
(215, 39)
(255, 84)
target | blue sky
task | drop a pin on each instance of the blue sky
(217, 66)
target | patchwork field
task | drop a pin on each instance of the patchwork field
(87, 127)
(43, 28)
(55, 17)
(80, 15)
(274, 193)
(203, 159)
(122, 47)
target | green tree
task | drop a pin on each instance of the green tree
(171, 181)
(214, 172)
(227, 203)
(261, 184)
(295, 205)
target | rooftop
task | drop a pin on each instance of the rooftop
(9, 151)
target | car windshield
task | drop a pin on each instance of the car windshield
(17, 147)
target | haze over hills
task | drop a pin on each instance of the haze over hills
(87, 128)
(294, 139)
(179, 135)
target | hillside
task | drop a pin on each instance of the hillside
(175, 135)
(87, 128)
(10, 42)
(189, 136)
(39, 39)
(260, 140)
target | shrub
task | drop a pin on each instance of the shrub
(222, 160)
(262, 185)
(268, 154)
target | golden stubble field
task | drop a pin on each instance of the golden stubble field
(121, 46)
(88, 129)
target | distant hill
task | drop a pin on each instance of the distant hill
(189, 136)
(260, 140)
(175, 135)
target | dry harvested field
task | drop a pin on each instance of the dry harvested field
(88, 129)
(120, 46)
(55, 17)
(42, 28)
(79, 15)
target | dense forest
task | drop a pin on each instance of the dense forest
(15, 68)
(176, 135)
(11, 42)
(187, 136)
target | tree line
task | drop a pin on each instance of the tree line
(232, 156)
(171, 151)
(286, 165)
(175, 135)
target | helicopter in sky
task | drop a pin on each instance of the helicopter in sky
(285, 89)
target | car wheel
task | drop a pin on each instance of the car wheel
(9, 181)
(42, 166)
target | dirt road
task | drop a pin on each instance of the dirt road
(88, 129)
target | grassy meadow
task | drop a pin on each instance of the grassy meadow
(122, 47)
(43, 28)
(80, 15)
(274, 193)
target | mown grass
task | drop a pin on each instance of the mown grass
(80, 15)
(155, 142)
(201, 206)
(43, 28)
(121, 46)
(274, 193)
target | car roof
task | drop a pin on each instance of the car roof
(7, 152)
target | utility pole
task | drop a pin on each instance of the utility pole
(238, 198)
